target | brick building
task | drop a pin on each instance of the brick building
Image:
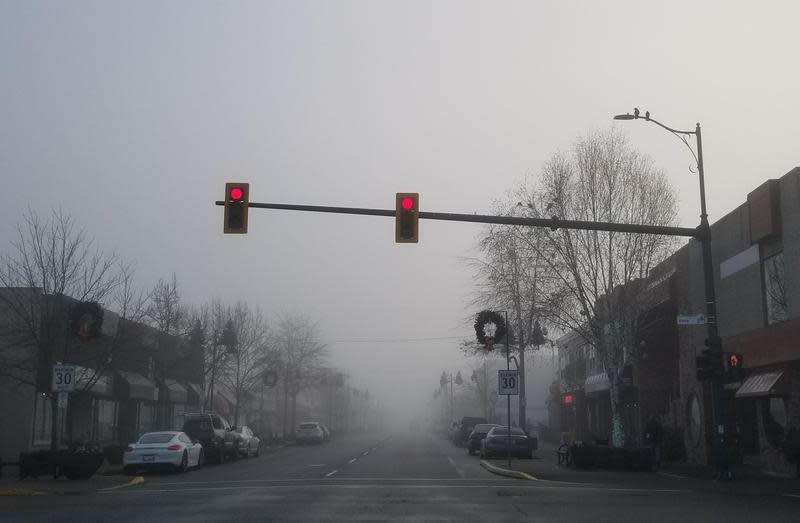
(756, 259)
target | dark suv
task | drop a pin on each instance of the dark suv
(214, 433)
(464, 428)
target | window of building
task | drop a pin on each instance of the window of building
(693, 420)
(42, 420)
(177, 415)
(147, 418)
(105, 420)
(775, 288)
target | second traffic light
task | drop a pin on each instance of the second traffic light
(237, 199)
(406, 219)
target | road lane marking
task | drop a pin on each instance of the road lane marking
(329, 474)
(365, 453)
(529, 487)
(669, 475)
(352, 460)
(792, 495)
(458, 469)
(319, 465)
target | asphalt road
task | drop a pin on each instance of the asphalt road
(403, 477)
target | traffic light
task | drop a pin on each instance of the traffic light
(406, 217)
(237, 198)
(708, 363)
(733, 367)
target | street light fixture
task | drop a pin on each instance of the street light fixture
(704, 234)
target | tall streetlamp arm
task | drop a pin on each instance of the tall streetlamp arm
(680, 135)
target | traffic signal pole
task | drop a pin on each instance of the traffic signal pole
(553, 223)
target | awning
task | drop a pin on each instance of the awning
(177, 392)
(597, 383)
(763, 384)
(102, 385)
(137, 387)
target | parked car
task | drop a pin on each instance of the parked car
(309, 432)
(172, 448)
(477, 435)
(496, 443)
(326, 432)
(249, 443)
(214, 433)
(464, 428)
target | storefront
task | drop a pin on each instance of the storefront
(138, 405)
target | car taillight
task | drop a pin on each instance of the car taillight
(128, 449)
(175, 447)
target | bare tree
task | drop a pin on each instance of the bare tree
(513, 276)
(599, 273)
(302, 355)
(52, 265)
(252, 354)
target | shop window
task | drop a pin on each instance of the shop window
(774, 420)
(147, 418)
(775, 288)
(105, 419)
(693, 420)
(177, 415)
(42, 420)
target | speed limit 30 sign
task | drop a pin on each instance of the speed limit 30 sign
(508, 382)
(63, 378)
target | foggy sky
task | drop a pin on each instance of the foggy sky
(132, 116)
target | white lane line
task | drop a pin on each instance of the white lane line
(365, 453)
(329, 474)
(792, 495)
(669, 475)
(458, 469)
(319, 465)
(352, 460)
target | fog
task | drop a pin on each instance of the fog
(131, 118)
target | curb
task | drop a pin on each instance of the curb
(138, 480)
(505, 472)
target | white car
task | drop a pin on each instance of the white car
(309, 432)
(171, 448)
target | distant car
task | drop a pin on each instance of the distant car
(249, 443)
(497, 440)
(464, 428)
(214, 433)
(153, 449)
(310, 432)
(477, 435)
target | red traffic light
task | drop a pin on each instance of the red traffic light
(407, 203)
(236, 193)
(735, 361)
(568, 399)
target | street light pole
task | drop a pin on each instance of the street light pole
(718, 439)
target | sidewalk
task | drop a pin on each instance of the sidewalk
(107, 477)
(544, 467)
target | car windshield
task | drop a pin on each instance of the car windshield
(412, 220)
(157, 437)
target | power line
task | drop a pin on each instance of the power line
(397, 340)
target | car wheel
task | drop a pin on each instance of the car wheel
(184, 462)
